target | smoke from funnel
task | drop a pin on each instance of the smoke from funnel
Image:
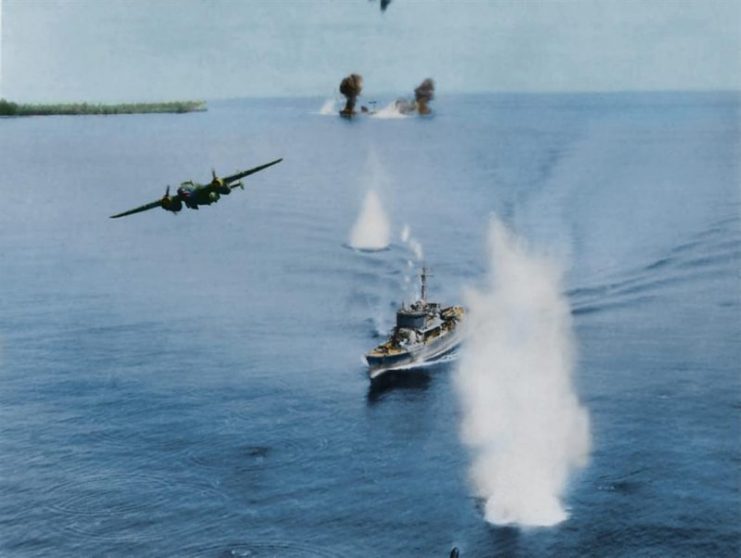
(351, 87)
(424, 94)
(521, 415)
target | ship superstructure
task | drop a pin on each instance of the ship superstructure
(424, 331)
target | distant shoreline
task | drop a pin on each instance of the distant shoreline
(8, 108)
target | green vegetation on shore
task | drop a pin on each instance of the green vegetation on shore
(8, 108)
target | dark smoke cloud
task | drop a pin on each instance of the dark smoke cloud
(405, 106)
(424, 94)
(351, 87)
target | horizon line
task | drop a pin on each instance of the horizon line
(132, 100)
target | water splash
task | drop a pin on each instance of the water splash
(521, 416)
(415, 249)
(406, 233)
(371, 230)
(420, 365)
(329, 107)
(414, 246)
(389, 111)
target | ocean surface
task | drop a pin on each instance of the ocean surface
(192, 385)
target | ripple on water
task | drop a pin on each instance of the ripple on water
(114, 507)
(236, 454)
(282, 549)
(626, 484)
(122, 439)
(226, 454)
(710, 252)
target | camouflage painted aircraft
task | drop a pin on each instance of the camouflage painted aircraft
(191, 194)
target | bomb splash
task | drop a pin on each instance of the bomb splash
(329, 107)
(371, 230)
(392, 110)
(521, 416)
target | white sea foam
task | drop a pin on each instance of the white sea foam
(521, 416)
(421, 365)
(389, 111)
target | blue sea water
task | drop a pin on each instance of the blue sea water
(192, 385)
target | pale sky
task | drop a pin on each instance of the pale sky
(115, 50)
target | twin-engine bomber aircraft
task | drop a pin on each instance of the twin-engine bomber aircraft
(192, 194)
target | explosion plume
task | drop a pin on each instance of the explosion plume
(351, 87)
(424, 94)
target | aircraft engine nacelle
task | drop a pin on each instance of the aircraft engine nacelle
(213, 196)
(218, 184)
(172, 204)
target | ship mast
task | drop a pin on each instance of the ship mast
(423, 276)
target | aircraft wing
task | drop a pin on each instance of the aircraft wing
(139, 209)
(239, 175)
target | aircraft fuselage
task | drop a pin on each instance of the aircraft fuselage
(193, 194)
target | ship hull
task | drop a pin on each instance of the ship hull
(416, 354)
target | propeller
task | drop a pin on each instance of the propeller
(218, 185)
(215, 180)
(170, 203)
(166, 198)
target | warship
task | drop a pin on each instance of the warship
(424, 331)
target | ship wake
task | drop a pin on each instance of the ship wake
(419, 365)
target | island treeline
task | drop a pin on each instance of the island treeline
(8, 108)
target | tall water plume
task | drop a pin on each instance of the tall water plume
(521, 417)
(416, 256)
(371, 230)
